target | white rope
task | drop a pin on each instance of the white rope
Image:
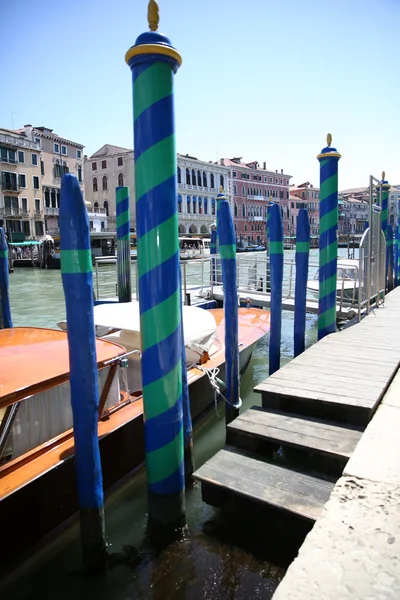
(216, 384)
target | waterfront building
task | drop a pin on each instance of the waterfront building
(252, 188)
(355, 213)
(306, 196)
(111, 166)
(21, 206)
(394, 204)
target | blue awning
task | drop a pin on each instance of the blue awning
(188, 198)
(179, 198)
(194, 199)
(212, 200)
(200, 200)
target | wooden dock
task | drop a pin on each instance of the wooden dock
(285, 456)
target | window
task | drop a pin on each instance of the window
(79, 154)
(187, 177)
(243, 191)
(53, 198)
(39, 230)
(22, 180)
(37, 140)
(25, 225)
(36, 182)
(102, 225)
(64, 150)
(236, 210)
(42, 167)
(7, 155)
(35, 160)
(234, 174)
(205, 206)
(212, 181)
(221, 181)
(24, 204)
(120, 161)
(179, 175)
(95, 184)
(243, 210)
(254, 177)
(104, 164)
(21, 156)
(37, 205)
(120, 180)
(276, 180)
(79, 174)
(204, 179)
(94, 166)
(188, 204)
(199, 178)
(281, 181)
(104, 183)
(235, 189)
(271, 180)
(57, 148)
(193, 177)
(105, 205)
(194, 205)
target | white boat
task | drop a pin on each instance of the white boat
(348, 281)
(193, 247)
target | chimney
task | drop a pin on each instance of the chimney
(264, 166)
(223, 162)
(28, 131)
(281, 171)
(276, 170)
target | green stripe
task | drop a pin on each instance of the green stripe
(123, 218)
(152, 85)
(155, 165)
(168, 388)
(276, 247)
(161, 321)
(151, 254)
(227, 251)
(3, 253)
(302, 246)
(328, 286)
(76, 261)
(327, 254)
(327, 318)
(329, 186)
(163, 462)
(329, 220)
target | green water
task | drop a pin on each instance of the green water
(214, 559)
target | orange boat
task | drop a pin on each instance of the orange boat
(37, 477)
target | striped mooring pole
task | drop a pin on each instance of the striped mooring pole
(276, 258)
(213, 250)
(384, 202)
(77, 280)
(389, 258)
(153, 62)
(123, 245)
(227, 251)
(300, 294)
(397, 257)
(328, 247)
(5, 310)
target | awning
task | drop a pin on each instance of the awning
(188, 198)
(179, 198)
(200, 200)
(30, 243)
(212, 200)
(194, 199)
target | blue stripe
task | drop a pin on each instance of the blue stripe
(226, 234)
(123, 230)
(147, 60)
(171, 485)
(328, 169)
(139, 69)
(161, 358)
(164, 197)
(70, 201)
(329, 270)
(327, 303)
(122, 206)
(328, 204)
(164, 281)
(153, 125)
(303, 226)
(328, 237)
(161, 430)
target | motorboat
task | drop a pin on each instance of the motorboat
(193, 247)
(348, 281)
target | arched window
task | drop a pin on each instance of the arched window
(187, 177)
(243, 191)
(235, 189)
(193, 177)
(243, 210)
(120, 180)
(105, 205)
(236, 212)
(194, 205)
(58, 194)
(79, 174)
(96, 207)
(104, 180)
(47, 198)
(205, 206)
(212, 181)
(53, 197)
(188, 204)
(204, 179)
(213, 206)
(179, 175)
(179, 203)
(221, 181)
(199, 178)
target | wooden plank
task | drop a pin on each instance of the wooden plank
(346, 371)
(332, 381)
(266, 387)
(291, 430)
(282, 488)
(303, 384)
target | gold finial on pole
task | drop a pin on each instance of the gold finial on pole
(153, 15)
(383, 175)
(329, 139)
(221, 189)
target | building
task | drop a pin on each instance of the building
(251, 189)
(394, 204)
(199, 183)
(355, 213)
(306, 196)
(109, 167)
(21, 206)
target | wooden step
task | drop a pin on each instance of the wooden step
(258, 428)
(233, 473)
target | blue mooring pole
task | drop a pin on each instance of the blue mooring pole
(300, 295)
(227, 251)
(5, 311)
(396, 257)
(213, 250)
(389, 258)
(186, 412)
(275, 229)
(77, 279)
(123, 244)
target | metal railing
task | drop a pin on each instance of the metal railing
(50, 210)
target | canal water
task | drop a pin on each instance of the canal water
(214, 558)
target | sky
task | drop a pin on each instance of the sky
(265, 80)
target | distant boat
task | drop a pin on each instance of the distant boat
(348, 281)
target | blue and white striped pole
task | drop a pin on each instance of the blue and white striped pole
(227, 251)
(300, 295)
(275, 228)
(77, 280)
(5, 311)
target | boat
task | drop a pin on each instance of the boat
(348, 281)
(193, 247)
(102, 244)
(38, 453)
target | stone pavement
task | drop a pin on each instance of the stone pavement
(353, 551)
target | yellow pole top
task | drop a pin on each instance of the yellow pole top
(329, 139)
(153, 15)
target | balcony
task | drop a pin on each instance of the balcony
(11, 211)
(18, 142)
(9, 188)
(54, 231)
(96, 210)
(256, 219)
(37, 214)
(50, 210)
(195, 217)
(9, 161)
(264, 198)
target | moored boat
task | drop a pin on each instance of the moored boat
(348, 281)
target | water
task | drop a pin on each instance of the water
(216, 558)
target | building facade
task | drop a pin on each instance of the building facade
(251, 189)
(109, 167)
(21, 206)
(306, 196)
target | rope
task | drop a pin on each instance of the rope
(216, 384)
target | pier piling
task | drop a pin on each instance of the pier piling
(275, 229)
(123, 245)
(5, 310)
(300, 296)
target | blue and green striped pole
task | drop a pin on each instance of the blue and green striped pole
(328, 224)
(300, 295)
(384, 202)
(77, 280)
(397, 257)
(153, 62)
(213, 250)
(227, 250)
(275, 228)
(5, 311)
(389, 258)
(123, 245)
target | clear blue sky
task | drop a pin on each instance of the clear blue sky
(260, 79)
